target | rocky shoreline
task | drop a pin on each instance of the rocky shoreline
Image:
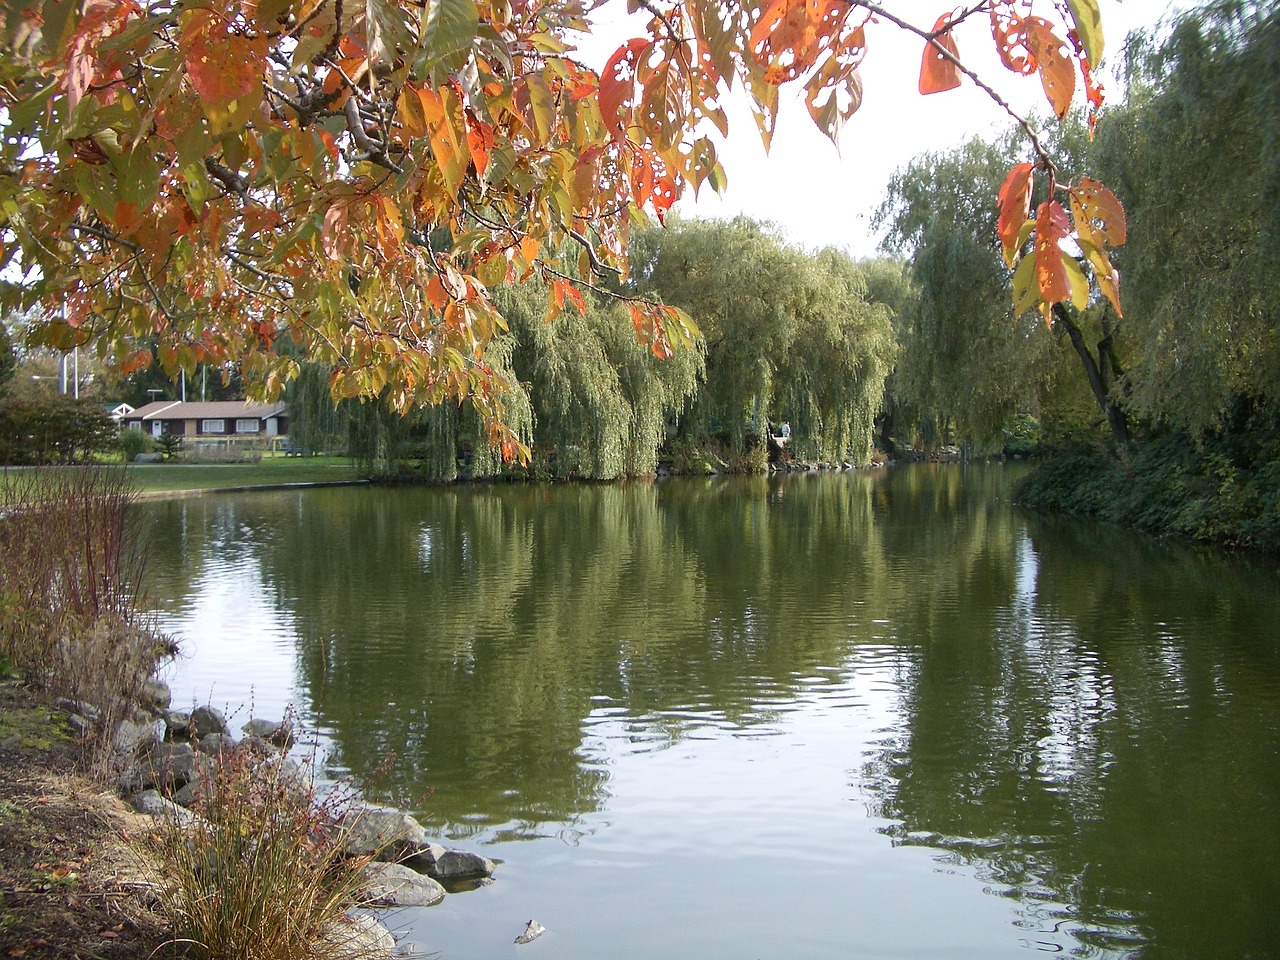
(160, 757)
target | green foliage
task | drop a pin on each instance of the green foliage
(53, 430)
(316, 423)
(170, 445)
(1194, 156)
(966, 361)
(600, 400)
(134, 442)
(8, 359)
(789, 336)
(1223, 489)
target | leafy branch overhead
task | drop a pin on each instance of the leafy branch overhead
(230, 181)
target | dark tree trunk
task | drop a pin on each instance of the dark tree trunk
(1098, 375)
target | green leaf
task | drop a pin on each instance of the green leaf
(96, 185)
(501, 162)
(448, 28)
(542, 103)
(138, 175)
(389, 37)
(1088, 20)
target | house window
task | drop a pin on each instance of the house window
(249, 425)
(213, 426)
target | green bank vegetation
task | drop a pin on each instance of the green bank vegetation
(262, 872)
(1167, 415)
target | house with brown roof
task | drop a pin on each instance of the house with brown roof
(221, 420)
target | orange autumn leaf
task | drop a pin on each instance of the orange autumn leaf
(938, 72)
(1052, 227)
(1098, 214)
(1015, 207)
(1057, 70)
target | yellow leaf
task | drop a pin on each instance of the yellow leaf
(1079, 282)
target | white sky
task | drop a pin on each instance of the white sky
(824, 197)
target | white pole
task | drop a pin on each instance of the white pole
(76, 370)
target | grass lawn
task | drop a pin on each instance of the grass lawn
(175, 477)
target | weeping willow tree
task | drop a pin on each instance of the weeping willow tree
(967, 365)
(316, 423)
(600, 400)
(831, 381)
(1194, 153)
(790, 337)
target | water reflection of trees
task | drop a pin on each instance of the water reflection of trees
(472, 632)
(1106, 764)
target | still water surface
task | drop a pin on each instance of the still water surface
(843, 716)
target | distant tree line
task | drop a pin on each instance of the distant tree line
(787, 336)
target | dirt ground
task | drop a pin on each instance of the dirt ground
(73, 882)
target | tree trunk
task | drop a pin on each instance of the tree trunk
(1097, 379)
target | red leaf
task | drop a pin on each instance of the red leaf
(1010, 33)
(618, 85)
(1052, 227)
(937, 71)
(223, 66)
(1015, 207)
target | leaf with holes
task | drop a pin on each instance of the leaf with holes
(1099, 216)
(618, 86)
(834, 92)
(1057, 70)
(1015, 207)
(1010, 32)
(790, 35)
(1052, 227)
(939, 72)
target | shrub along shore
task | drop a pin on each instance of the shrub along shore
(1223, 489)
(238, 856)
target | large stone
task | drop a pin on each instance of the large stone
(177, 725)
(275, 732)
(388, 835)
(206, 720)
(151, 803)
(358, 937)
(216, 743)
(395, 885)
(155, 696)
(443, 863)
(166, 767)
(130, 736)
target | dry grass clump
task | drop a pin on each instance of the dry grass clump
(70, 573)
(262, 874)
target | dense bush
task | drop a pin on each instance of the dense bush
(53, 431)
(134, 442)
(1224, 489)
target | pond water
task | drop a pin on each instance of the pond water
(873, 715)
